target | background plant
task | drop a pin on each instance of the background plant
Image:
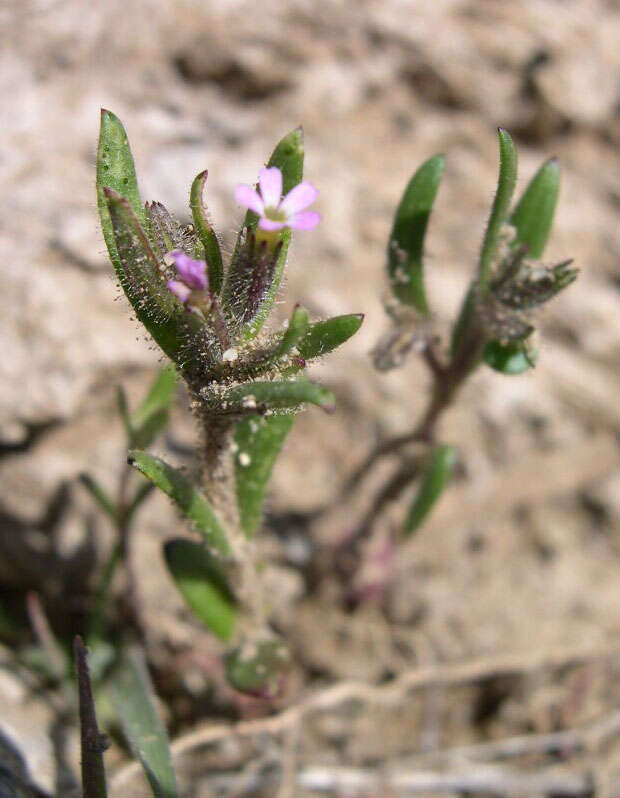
(496, 325)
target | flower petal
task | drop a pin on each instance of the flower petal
(192, 272)
(270, 182)
(246, 195)
(299, 198)
(304, 221)
(179, 289)
(269, 224)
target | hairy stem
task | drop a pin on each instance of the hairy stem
(218, 478)
(218, 475)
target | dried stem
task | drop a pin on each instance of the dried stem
(93, 742)
(392, 694)
(447, 380)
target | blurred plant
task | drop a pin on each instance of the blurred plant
(496, 324)
(141, 427)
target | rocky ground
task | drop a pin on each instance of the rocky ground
(518, 570)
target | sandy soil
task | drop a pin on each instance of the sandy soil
(522, 558)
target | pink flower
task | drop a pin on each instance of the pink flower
(277, 212)
(192, 276)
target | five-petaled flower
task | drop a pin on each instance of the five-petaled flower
(274, 211)
(192, 276)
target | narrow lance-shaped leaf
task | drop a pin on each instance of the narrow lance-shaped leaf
(141, 280)
(261, 396)
(501, 204)
(93, 743)
(406, 243)
(116, 171)
(202, 582)
(510, 358)
(160, 396)
(297, 327)
(100, 495)
(142, 493)
(462, 333)
(131, 693)
(324, 336)
(188, 498)
(143, 426)
(206, 233)
(259, 441)
(433, 483)
(146, 433)
(123, 409)
(116, 181)
(533, 215)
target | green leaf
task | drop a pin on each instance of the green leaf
(288, 156)
(100, 495)
(433, 483)
(533, 216)
(324, 336)
(188, 498)
(93, 743)
(297, 327)
(406, 243)
(131, 693)
(123, 409)
(123, 221)
(261, 396)
(257, 668)
(160, 396)
(143, 426)
(141, 280)
(259, 441)
(512, 358)
(501, 204)
(115, 170)
(206, 233)
(144, 435)
(142, 493)
(202, 582)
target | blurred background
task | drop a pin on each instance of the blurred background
(523, 554)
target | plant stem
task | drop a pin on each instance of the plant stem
(448, 379)
(217, 466)
(218, 478)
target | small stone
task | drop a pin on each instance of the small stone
(230, 355)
